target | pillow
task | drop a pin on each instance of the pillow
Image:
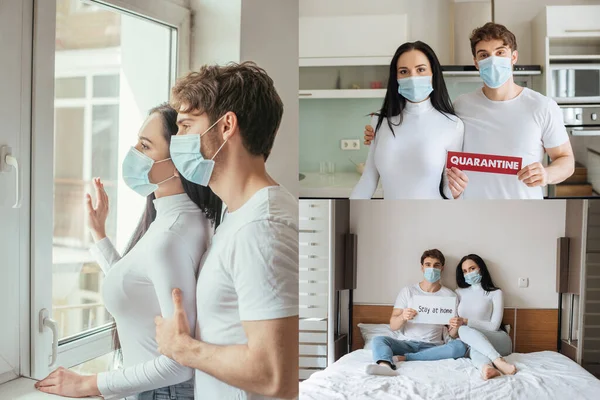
(369, 331)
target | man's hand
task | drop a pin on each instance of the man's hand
(369, 135)
(65, 383)
(408, 314)
(457, 181)
(171, 334)
(534, 175)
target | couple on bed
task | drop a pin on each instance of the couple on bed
(476, 329)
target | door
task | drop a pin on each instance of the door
(15, 64)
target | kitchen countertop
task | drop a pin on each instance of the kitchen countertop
(22, 389)
(334, 186)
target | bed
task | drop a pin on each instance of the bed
(542, 375)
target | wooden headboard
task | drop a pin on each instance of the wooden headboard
(530, 329)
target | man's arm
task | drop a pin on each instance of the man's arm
(266, 365)
(400, 316)
(562, 167)
(563, 163)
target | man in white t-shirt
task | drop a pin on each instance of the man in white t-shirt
(246, 340)
(422, 342)
(505, 119)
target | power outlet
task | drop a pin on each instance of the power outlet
(350, 144)
(523, 282)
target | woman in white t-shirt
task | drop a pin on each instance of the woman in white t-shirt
(416, 127)
(479, 321)
(164, 252)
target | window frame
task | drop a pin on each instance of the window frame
(96, 342)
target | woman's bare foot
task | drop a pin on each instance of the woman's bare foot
(399, 358)
(489, 372)
(505, 367)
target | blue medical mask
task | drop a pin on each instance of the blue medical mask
(432, 275)
(473, 278)
(185, 152)
(415, 88)
(495, 71)
(136, 169)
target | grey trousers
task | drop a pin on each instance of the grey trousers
(485, 346)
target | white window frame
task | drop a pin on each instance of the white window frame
(99, 341)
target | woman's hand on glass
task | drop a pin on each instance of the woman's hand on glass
(98, 213)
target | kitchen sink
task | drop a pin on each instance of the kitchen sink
(302, 176)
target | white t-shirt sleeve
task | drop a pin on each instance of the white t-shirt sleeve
(403, 299)
(455, 145)
(554, 132)
(497, 312)
(173, 268)
(105, 254)
(263, 264)
(367, 185)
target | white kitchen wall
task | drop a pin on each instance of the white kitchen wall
(264, 31)
(515, 238)
(428, 20)
(517, 16)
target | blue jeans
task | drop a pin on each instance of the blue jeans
(181, 391)
(385, 348)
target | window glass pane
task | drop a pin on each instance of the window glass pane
(96, 365)
(106, 86)
(105, 151)
(92, 136)
(69, 88)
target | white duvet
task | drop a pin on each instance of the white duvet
(541, 376)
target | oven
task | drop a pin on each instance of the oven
(575, 83)
(582, 122)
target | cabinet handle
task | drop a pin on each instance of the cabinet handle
(47, 322)
(582, 30)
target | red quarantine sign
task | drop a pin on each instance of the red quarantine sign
(484, 163)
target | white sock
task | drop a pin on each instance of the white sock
(378, 369)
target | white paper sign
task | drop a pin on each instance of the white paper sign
(433, 309)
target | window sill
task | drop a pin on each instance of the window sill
(22, 389)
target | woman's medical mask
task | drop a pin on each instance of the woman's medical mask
(415, 88)
(432, 275)
(185, 152)
(495, 71)
(473, 277)
(136, 169)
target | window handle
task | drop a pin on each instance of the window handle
(47, 322)
(6, 161)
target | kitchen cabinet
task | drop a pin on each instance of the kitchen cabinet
(572, 21)
(324, 226)
(351, 40)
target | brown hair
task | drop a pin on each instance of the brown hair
(493, 31)
(433, 253)
(244, 89)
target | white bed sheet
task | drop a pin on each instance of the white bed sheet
(541, 376)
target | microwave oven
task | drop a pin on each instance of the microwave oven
(575, 83)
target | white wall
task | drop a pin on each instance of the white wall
(515, 238)
(428, 20)
(517, 16)
(266, 32)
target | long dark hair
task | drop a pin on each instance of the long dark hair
(202, 196)
(486, 279)
(394, 103)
